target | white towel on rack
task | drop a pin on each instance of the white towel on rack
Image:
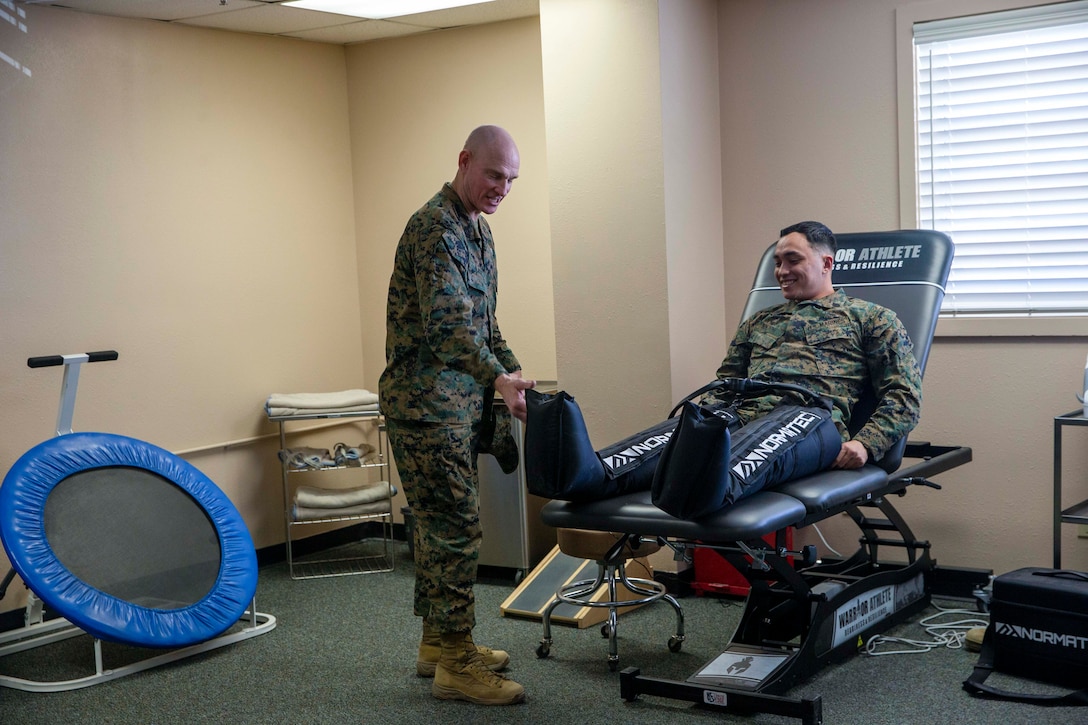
(306, 513)
(343, 399)
(286, 412)
(356, 400)
(334, 498)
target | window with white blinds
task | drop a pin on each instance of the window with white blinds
(1002, 124)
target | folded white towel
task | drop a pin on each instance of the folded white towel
(334, 498)
(342, 399)
(284, 412)
(305, 513)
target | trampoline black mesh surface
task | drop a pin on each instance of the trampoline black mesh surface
(134, 535)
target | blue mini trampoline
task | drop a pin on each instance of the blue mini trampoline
(130, 544)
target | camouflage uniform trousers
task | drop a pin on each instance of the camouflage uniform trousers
(437, 466)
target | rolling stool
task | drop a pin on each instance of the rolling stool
(611, 552)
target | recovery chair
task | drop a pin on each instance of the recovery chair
(801, 613)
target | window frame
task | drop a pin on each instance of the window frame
(905, 18)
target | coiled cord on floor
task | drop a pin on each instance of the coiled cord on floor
(949, 634)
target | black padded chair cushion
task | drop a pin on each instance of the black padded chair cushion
(830, 490)
(633, 512)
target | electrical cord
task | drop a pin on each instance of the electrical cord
(948, 634)
(829, 547)
(642, 567)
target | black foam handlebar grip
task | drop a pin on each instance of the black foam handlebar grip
(46, 361)
(102, 356)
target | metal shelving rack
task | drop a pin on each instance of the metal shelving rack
(347, 562)
(1078, 512)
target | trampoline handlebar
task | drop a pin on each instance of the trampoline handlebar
(46, 361)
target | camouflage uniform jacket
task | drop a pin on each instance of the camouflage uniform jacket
(443, 347)
(834, 346)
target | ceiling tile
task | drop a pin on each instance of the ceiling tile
(358, 32)
(273, 19)
(153, 9)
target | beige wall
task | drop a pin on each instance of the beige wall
(183, 196)
(631, 115)
(691, 139)
(602, 106)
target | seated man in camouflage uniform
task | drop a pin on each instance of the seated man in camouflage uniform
(832, 344)
(836, 347)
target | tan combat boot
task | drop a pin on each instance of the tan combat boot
(462, 675)
(430, 648)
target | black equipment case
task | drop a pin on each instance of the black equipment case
(1038, 630)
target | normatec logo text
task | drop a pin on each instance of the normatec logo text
(621, 459)
(758, 455)
(1040, 635)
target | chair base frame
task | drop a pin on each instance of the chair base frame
(802, 614)
(613, 573)
(796, 622)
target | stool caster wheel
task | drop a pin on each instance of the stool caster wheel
(675, 643)
(606, 631)
(543, 650)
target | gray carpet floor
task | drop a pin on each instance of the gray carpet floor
(343, 651)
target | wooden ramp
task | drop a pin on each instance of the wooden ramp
(538, 589)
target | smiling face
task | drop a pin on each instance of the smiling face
(485, 175)
(803, 271)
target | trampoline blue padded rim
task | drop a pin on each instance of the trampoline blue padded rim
(22, 531)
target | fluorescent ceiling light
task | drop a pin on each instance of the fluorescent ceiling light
(379, 9)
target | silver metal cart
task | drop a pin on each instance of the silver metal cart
(369, 554)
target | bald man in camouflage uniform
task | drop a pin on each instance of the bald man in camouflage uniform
(832, 344)
(444, 354)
